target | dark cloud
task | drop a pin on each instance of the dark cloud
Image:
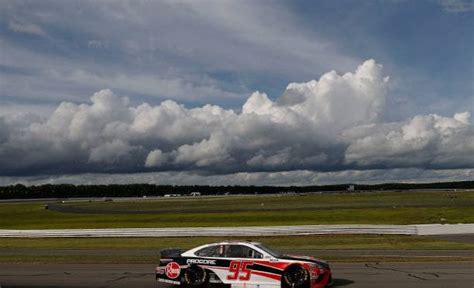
(286, 178)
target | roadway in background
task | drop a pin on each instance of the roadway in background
(422, 229)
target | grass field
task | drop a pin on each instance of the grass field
(287, 243)
(145, 250)
(285, 202)
(355, 208)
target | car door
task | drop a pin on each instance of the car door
(243, 264)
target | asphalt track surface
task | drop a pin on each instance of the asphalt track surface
(364, 275)
(451, 255)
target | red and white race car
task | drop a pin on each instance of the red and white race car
(242, 264)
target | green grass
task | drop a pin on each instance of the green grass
(355, 208)
(80, 259)
(364, 208)
(145, 250)
(287, 202)
(287, 243)
(35, 217)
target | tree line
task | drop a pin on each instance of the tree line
(20, 191)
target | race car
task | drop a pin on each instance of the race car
(240, 264)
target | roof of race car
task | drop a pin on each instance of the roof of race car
(237, 242)
(255, 245)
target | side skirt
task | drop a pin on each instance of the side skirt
(244, 285)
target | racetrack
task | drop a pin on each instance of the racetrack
(364, 275)
(30, 219)
(382, 208)
(424, 229)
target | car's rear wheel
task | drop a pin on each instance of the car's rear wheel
(195, 277)
(295, 276)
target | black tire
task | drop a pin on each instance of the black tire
(295, 276)
(195, 277)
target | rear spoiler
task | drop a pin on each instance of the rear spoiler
(170, 253)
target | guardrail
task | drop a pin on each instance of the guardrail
(426, 229)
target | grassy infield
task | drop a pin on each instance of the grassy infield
(365, 208)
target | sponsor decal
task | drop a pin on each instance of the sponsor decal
(172, 270)
(169, 281)
(201, 261)
(160, 270)
(315, 271)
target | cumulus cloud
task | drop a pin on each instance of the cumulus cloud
(331, 124)
(424, 141)
(155, 158)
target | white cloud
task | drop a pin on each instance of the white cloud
(28, 28)
(86, 49)
(152, 85)
(330, 124)
(155, 158)
(110, 152)
(424, 141)
(328, 101)
(457, 6)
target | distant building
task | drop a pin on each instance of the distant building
(194, 194)
(351, 188)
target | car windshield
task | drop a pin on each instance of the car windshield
(270, 251)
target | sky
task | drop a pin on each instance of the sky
(236, 92)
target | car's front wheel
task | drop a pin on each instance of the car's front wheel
(195, 277)
(295, 276)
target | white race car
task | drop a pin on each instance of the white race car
(243, 264)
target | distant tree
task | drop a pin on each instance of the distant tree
(20, 191)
